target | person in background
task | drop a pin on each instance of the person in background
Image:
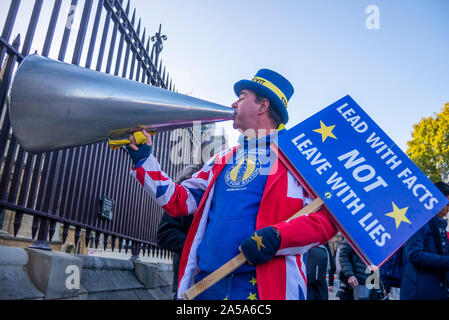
(345, 290)
(426, 274)
(334, 285)
(332, 272)
(391, 274)
(356, 273)
(319, 261)
(172, 232)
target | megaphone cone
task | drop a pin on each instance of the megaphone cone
(56, 105)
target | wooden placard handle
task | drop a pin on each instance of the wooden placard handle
(239, 260)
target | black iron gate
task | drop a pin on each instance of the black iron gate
(66, 186)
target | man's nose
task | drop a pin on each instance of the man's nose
(234, 105)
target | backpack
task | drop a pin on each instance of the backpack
(317, 261)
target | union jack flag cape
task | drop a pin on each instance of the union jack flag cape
(283, 277)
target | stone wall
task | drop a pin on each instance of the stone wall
(39, 274)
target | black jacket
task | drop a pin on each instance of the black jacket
(427, 263)
(171, 236)
(351, 264)
(332, 267)
(172, 232)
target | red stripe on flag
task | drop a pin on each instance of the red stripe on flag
(177, 206)
(157, 175)
(299, 264)
(140, 176)
(203, 175)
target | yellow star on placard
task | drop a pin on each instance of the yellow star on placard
(258, 240)
(253, 281)
(325, 131)
(252, 296)
(226, 298)
(398, 215)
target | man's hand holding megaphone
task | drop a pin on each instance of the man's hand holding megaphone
(140, 147)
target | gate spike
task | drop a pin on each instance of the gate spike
(18, 217)
(35, 226)
(120, 244)
(138, 28)
(65, 232)
(88, 234)
(97, 239)
(127, 8)
(113, 239)
(126, 246)
(105, 241)
(77, 234)
(133, 19)
(51, 230)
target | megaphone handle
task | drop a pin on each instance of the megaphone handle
(138, 136)
(239, 260)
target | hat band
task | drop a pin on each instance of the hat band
(272, 87)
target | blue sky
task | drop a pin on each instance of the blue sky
(398, 73)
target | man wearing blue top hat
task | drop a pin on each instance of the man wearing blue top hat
(270, 97)
(241, 200)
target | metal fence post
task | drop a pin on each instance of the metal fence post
(65, 186)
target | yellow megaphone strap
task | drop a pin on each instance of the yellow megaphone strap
(118, 143)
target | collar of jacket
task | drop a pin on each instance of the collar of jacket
(254, 141)
(442, 222)
(220, 163)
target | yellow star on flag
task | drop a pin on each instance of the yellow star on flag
(325, 131)
(398, 215)
(258, 240)
(253, 281)
(252, 296)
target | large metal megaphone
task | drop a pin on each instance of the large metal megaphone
(54, 105)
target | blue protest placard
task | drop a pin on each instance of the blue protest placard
(377, 195)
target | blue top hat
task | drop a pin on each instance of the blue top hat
(270, 85)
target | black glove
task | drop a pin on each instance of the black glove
(142, 154)
(262, 245)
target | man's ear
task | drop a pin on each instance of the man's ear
(264, 105)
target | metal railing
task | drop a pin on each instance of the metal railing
(66, 186)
